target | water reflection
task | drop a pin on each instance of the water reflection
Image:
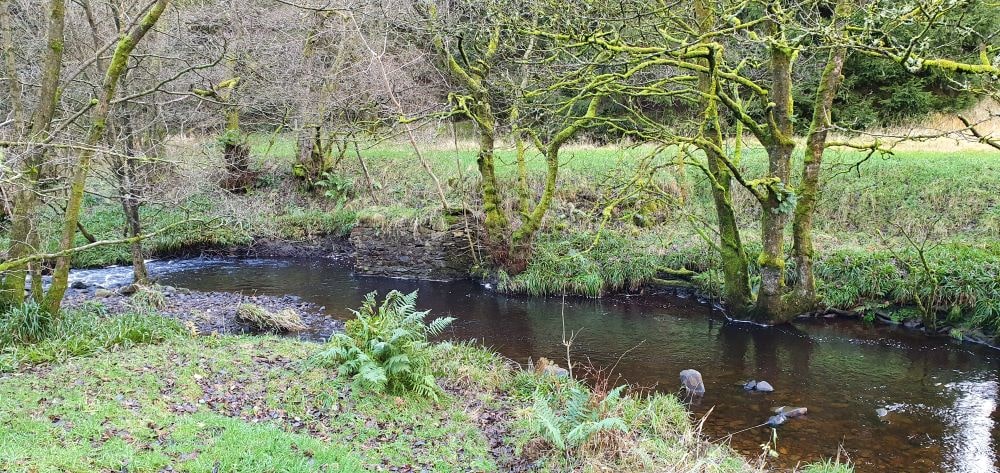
(971, 448)
(942, 395)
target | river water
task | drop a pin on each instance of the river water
(941, 395)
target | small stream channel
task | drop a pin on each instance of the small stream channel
(941, 395)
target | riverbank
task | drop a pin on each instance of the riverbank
(869, 223)
(251, 403)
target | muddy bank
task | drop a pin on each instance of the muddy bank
(211, 312)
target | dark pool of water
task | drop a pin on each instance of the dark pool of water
(941, 395)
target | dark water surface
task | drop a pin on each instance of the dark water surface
(941, 395)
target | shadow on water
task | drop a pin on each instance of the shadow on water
(939, 396)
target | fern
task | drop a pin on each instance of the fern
(579, 421)
(385, 348)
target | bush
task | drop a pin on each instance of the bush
(386, 348)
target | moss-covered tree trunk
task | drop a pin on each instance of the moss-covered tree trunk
(803, 297)
(23, 234)
(495, 223)
(774, 213)
(522, 242)
(98, 124)
(736, 292)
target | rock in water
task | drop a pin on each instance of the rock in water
(791, 412)
(78, 285)
(750, 385)
(764, 387)
(776, 420)
(881, 412)
(692, 382)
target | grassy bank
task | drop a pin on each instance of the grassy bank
(872, 216)
(260, 404)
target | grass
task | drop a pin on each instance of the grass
(284, 320)
(77, 332)
(199, 404)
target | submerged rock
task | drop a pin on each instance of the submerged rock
(750, 385)
(881, 412)
(791, 412)
(764, 387)
(776, 420)
(692, 382)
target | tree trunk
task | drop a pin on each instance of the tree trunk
(22, 241)
(496, 223)
(127, 43)
(736, 293)
(128, 192)
(804, 294)
(774, 217)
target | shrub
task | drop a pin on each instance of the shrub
(386, 348)
(285, 320)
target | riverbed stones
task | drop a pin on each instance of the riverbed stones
(764, 387)
(103, 293)
(750, 385)
(692, 382)
(78, 285)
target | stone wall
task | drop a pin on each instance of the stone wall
(423, 253)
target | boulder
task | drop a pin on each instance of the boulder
(750, 385)
(692, 382)
(764, 387)
(78, 285)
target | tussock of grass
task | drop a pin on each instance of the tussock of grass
(84, 331)
(968, 290)
(585, 265)
(285, 320)
(828, 466)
